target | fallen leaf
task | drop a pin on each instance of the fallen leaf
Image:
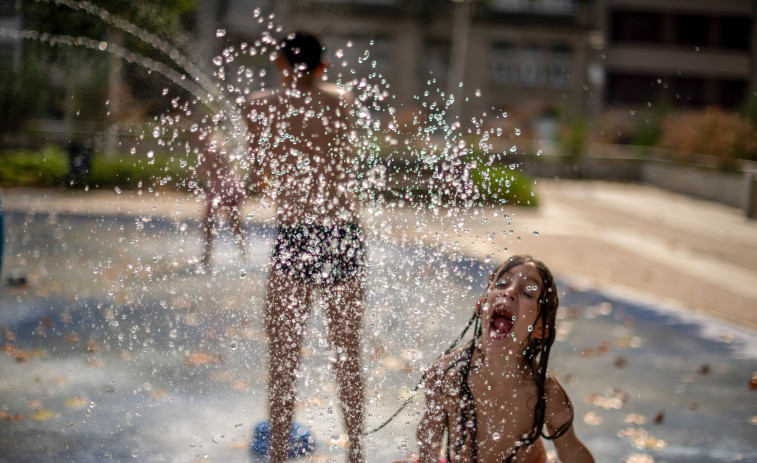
(593, 419)
(96, 364)
(9, 335)
(197, 358)
(392, 363)
(639, 458)
(20, 355)
(91, 347)
(12, 416)
(42, 414)
(221, 376)
(75, 402)
(239, 385)
(342, 441)
(239, 444)
(635, 418)
(34, 403)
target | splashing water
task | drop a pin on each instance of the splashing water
(122, 348)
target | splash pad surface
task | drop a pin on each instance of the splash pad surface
(118, 349)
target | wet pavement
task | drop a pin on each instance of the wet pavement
(117, 348)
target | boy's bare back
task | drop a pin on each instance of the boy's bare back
(301, 140)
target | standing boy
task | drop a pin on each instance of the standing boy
(301, 141)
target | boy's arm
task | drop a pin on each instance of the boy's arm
(431, 426)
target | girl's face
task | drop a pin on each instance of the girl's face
(509, 311)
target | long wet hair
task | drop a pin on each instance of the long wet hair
(536, 356)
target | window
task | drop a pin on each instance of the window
(630, 89)
(688, 91)
(736, 33)
(691, 30)
(545, 7)
(530, 64)
(8, 9)
(559, 66)
(503, 64)
(636, 27)
(732, 93)
(436, 60)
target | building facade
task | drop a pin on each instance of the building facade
(680, 53)
(519, 56)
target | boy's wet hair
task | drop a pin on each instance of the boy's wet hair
(302, 50)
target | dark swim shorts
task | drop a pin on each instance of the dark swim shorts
(324, 255)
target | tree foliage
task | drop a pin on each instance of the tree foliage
(167, 20)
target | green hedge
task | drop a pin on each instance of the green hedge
(45, 168)
(131, 171)
(49, 168)
(499, 184)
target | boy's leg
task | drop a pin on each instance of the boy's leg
(344, 309)
(235, 217)
(208, 225)
(286, 318)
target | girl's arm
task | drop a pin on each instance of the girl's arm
(433, 422)
(569, 447)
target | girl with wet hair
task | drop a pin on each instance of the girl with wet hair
(494, 398)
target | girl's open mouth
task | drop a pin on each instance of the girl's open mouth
(501, 322)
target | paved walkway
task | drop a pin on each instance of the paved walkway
(641, 240)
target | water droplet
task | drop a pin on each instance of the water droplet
(517, 132)
(220, 32)
(536, 233)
